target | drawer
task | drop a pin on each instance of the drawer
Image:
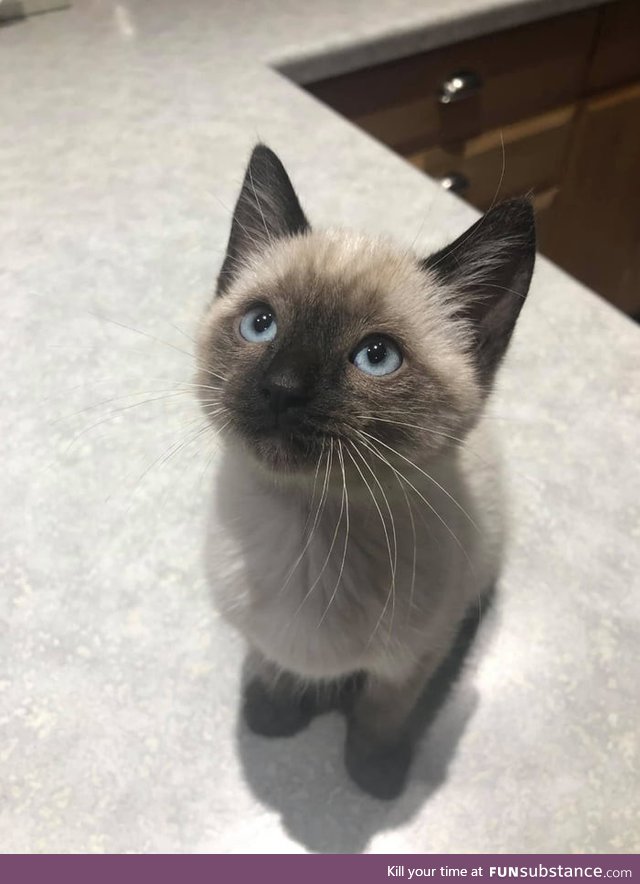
(533, 158)
(507, 76)
(616, 59)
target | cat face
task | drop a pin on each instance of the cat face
(318, 337)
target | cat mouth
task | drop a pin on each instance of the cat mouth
(283, 449)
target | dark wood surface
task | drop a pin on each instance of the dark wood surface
(594, 228)
(525, 71)
(616, 59)
(563, 96)
(526, 157)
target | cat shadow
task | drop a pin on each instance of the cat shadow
(303, 778)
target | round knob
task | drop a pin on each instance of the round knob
(456, 182)
(459, 86)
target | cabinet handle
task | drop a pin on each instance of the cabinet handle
(459, 86)
(456, 182)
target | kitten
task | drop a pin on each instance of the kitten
(357, 500)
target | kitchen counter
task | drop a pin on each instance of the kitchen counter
(125, 128)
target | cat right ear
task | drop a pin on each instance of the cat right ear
(488, 270)
(267, 209)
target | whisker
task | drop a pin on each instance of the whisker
(463, 442)
(166, 455)
(436, 432)
(162, 394)
(473, 232)
(426, 475)
(157, 340)
(109, 417)
(174, 450)
(391, 592)
(139, 331)
(326, 561)
(319, 511)
(181, 331)
(415, 550)
(90, 384)
(394, 566)
(313, 488)
(424, 499)
(345, 492)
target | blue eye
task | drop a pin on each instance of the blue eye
(259, 325)
(378, 356)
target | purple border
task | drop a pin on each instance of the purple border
(316, 869)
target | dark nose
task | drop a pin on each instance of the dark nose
(286, 393)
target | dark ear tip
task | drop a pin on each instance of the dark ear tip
(515, 213)
(518, 207)
(260, 149)
(263, 155)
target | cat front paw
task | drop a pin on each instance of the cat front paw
(379, 769)
(274, 714)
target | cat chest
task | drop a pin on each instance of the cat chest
(320, 611)
(312, 617)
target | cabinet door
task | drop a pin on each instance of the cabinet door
(593, 229)
(527, 157)
(616, 59)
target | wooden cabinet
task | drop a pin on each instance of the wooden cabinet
(516, 73)
(616, 56)
(594, 230)
(550, 109)
(525, 157)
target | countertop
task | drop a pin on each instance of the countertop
(125, 128)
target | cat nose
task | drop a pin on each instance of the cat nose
(285, 393)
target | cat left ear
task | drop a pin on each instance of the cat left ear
(267, 209)
(488, 270)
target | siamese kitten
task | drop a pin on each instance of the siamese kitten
(357, 501)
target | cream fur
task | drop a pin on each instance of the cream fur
(260, 522)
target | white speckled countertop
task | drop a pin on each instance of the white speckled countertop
(124, 128)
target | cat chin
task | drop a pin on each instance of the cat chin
(281, 463)
(281, 460)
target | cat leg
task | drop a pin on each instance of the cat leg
(379, 736)
(385, 718)
(275, 703)
(279, 704)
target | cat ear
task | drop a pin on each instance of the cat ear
(267, 209)
(488, 269)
